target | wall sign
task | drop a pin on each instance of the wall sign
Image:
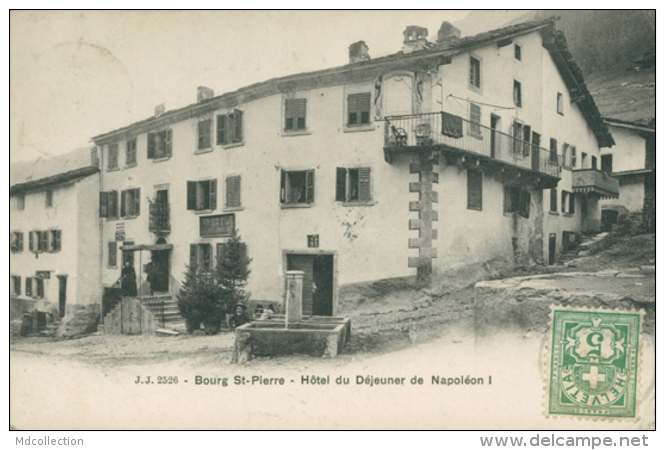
(120, 231)
(217, 226)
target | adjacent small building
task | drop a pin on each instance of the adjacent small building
(633, 162)
(55, 254)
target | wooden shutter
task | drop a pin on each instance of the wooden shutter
(201, 133)
(527, 138)
(474, 190)
(553, 200)
(525, 203)
(233, 191)
(474, 117)
(103, 204)
(19, 241)
(31, 241)
(237, 122)
(508, 199)
(571, 199)
(364, 185)
(123, 203)
(365, 101)
(28, 286)
(309, 194)
(113, 254)
(553, 151)
(168, 135)
(564, 199)
(221, 130)
(151, 145)
(137, 202)
(212, 185)
(340, 191)
(301, 114)
(282, 188)
(354, 109)
(43, 241)
(193, 255)
(191, 195)
(290, 115)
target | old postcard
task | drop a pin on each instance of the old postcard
(330, 220)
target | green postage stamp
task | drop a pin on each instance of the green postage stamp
(594, 362)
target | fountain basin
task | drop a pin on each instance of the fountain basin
(319, 336)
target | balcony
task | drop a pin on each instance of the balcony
(160, 218)
(463, 140)
(594, 181)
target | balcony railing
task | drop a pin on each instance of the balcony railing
(594, 181)
(160, 217)
(431, 129)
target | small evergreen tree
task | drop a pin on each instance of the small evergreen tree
(232, 271)
(199, 299)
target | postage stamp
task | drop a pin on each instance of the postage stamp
(594, 363)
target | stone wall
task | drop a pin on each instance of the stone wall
(129, 317)
(79, 319)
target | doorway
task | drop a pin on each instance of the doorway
(159, 270)
(62, 295)
(535, 151)
(552, 252)
(318, 282)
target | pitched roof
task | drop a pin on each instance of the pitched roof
(648, 125)
(427, 58)
(61, 178)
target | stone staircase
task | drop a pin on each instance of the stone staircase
(165, 310)
(583, 249)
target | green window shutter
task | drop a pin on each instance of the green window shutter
(103, 204)
(221, 129)
(364, 185)
(309, 194)
(237, 120)
(213, 194)
(340, 190)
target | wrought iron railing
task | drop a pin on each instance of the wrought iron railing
(428, 129)
(159, 217)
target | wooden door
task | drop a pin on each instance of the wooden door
(62, 294)
(552, 251)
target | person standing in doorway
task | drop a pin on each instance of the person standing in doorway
(128, 280)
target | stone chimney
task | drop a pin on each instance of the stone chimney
(447, 32)
(203, 93)
(358, 51)
(415, 38)
(160, 109)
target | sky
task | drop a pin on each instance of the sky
(77, 74)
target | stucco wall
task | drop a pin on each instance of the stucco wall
(629, 152)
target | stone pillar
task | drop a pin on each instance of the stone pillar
(294, 296)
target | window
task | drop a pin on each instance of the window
(353, 185)
(312, 240)
(474, 190)
(594, 162)
(20, 202)
(229, 128)
(474, 72)
(518, 52)
(233, 192)
(606, 163)
(130, 157)
(358, 109)
(28, 286)
(160, 144)
(113, 157)
(564, 201)
(527, 139)
(297, 187)
(204, 133)
(517, 93)
(55, 241)
(518, 136)
(295, 113)
(113, 254)
(564, 153)
(48, 201)
(567, 202)
(202, 195)
(554, 148)
(130, 202)
(584, 156)
(573, 156)
(517, 200)
(553, 200)
(38, 241)
(16, 242)
(559, 103)
(474, 119)
(16, 285)
(200, 256)
(108, 204)
(224, 247)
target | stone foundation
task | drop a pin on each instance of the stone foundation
(79, 319)
(129, 317)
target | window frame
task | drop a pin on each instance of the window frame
(518, 98)
(200, 198)
(298, 103)
(130, 207)
(607, 160)
(204, 132)
(16, 242)
(474, 201)
(48, 198)
(518, 52)
(554, 201)
(343, 186)
(475, 129)
(559, 103)
(16, 285)
(362, 99)
(233, 192)
(162, 149)
(112, 254)
(309, 188)
(227, 131)
(54, 240)
(196, 253)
